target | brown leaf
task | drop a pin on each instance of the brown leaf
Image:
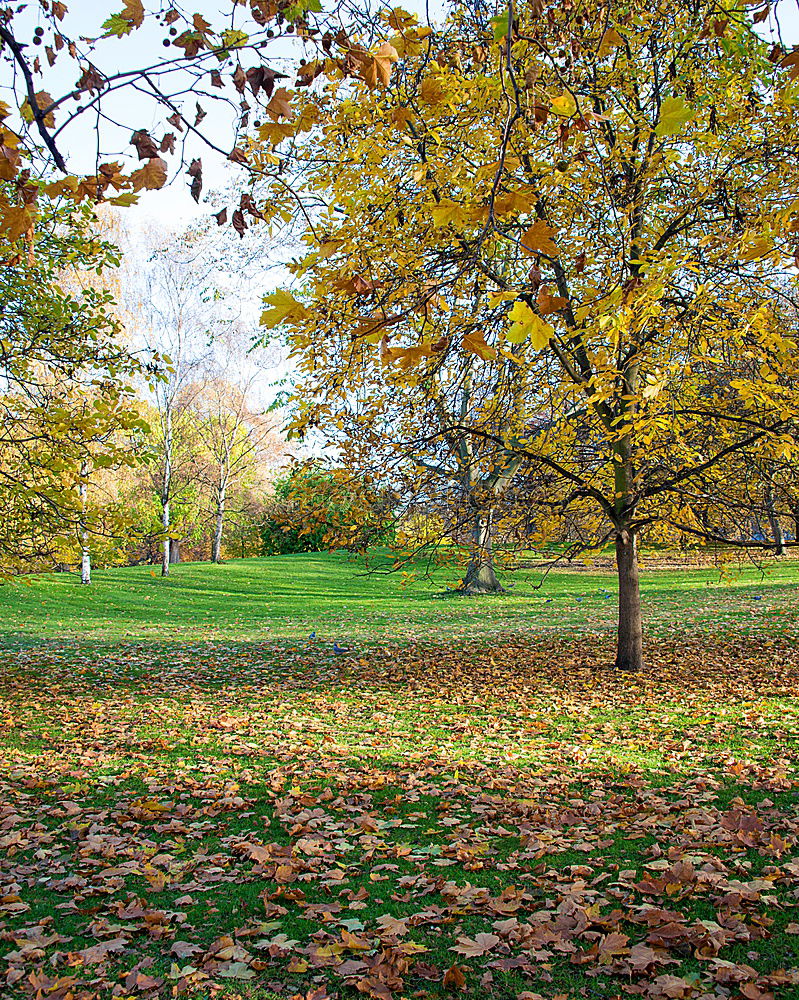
(474, 947)
(454, 978)
(195, 171)
(280, 105)
(145, 144)
(538, 239)
(238, 222)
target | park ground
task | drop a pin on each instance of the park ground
(202, 797)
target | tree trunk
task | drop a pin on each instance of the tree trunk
(166, 547)
(174, 550)
(85, 555)
(216, 549)
(774, 523)
(480, 577)
(166, 491)
(629, 652)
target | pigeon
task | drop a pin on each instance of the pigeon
(340, 650)
(312, 636)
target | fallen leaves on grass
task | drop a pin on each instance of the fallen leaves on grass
(222, 818)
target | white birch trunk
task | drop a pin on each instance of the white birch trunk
(85, 555)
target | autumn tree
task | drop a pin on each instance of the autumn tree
(66, 386)
(414, 434)
(620, 180)
(171, 309)
(238, 441)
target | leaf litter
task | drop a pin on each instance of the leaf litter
(496, 820)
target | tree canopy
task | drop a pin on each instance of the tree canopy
(617, 185)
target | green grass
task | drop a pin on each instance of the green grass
(285, 598)
(463, 764)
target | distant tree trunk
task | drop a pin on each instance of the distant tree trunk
(629, 651)
(85, 555)
(480, 576)
(166, 546)
(774, 523)
(165, 493)
(174, 550)
(221, 496)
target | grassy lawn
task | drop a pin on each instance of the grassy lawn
(201, 799)
(286, 598)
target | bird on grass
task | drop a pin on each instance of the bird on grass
(340, 650)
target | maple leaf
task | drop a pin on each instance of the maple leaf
(475, 343)
(43, 100)
(195, 172)
(353, 943)
(283, 306)
(675, 113)
(280, 104)
(454, 978)
(234, 38)
(612, 946)
(145, 145)
(528, 324)
(184, 949)
(255, 851)
(133, 11)
(235, 970)
(481, 944)
(564, 105)
(99, 952)
(447, 213)
(117, 25)
(385, 56)
(610, 40)
(538, 240)
(151, 176)
(548, 303)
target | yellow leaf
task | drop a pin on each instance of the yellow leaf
(527, 324)
(125, 200)
(499, 297)
(538, 239)
(16, 220)
(610, 40)
(756, 248)
(385, 56)
(151, 176)
(431, 91)
(675, 112)
(43, 100)
(448, 212)
(474, 343)
(564, 105)
(283, 307)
